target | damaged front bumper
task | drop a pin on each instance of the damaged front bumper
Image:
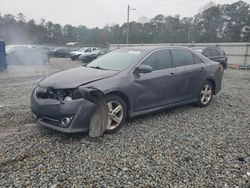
(69, 117)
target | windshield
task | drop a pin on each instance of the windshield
(82, 49)
(118, 60)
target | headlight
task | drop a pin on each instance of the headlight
(76, 94)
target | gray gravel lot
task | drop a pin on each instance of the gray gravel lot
(182, 147)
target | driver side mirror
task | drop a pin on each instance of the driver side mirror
(144, 69)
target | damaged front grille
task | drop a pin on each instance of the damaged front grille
(59, 94)
(46, 93)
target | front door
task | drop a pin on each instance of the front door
(156, 88)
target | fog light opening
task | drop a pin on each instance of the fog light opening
(66, 121)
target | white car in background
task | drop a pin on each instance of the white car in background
(74, 55)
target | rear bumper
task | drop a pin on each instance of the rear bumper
(218, 83)
(50, 112)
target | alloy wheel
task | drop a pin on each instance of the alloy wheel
(115, 114)
(206, 94)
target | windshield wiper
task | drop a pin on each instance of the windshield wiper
(97, 67)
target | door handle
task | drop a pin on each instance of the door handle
(171, 74)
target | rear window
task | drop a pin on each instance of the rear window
(214, 52)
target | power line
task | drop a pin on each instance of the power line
(169, 4)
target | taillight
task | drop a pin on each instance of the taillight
(221, 68)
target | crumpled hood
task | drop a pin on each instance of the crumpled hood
(73, 78)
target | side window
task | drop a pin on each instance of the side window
(159, 60)
(214, 52)
(182, 57)
(206, 52)
(88, 50)
(197, 60)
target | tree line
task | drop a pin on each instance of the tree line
(217, 23)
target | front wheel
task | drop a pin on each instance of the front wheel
(117, 113)
(205, 94)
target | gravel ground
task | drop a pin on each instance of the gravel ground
(181, 147)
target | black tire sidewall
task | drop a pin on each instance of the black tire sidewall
(199, 97)
(113, 97)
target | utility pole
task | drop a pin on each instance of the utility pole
(128, 22)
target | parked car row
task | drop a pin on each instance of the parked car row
(87, 54)
(35, 54)
(74, 55)
(26, 55)
(60, 52)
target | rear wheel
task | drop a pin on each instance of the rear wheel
(117, 113)
(205, 94)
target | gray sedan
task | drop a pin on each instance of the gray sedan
(132, 81)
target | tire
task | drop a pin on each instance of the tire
(205, 94)
(75, 58)
(113, 101)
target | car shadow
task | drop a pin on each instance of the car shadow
(162, 112)
(65, 137)
(167, 112)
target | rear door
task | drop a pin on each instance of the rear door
(157, 88)
(189, 73)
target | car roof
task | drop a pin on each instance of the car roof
(205, 47)
(152, 48)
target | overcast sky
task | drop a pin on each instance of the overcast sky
(93, 13)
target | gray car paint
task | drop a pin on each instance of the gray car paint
(73, 78)
(125, 84)
(145, 92)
